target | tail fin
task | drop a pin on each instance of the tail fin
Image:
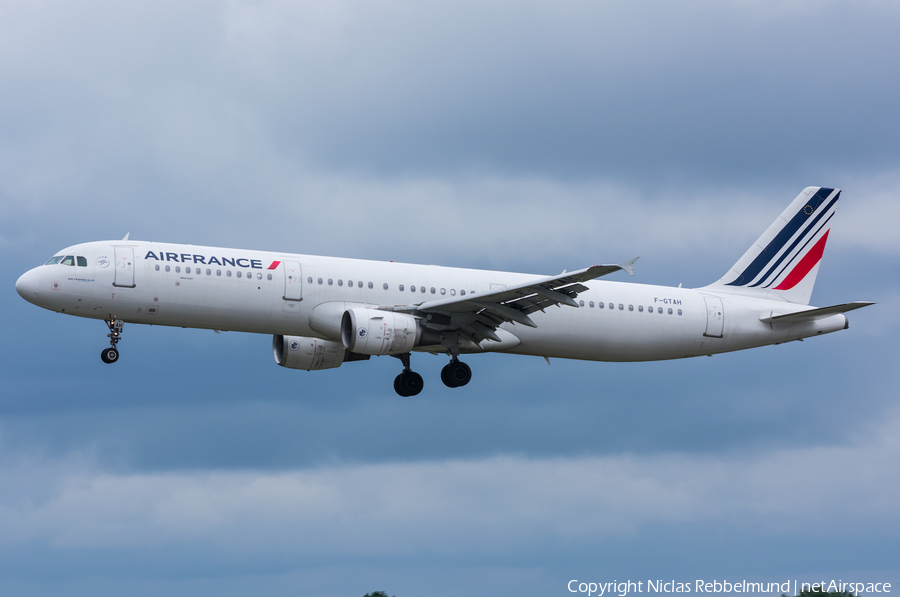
(784, 261)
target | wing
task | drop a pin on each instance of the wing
(477, 316)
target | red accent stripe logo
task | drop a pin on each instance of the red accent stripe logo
(808, 262)
(274, 264)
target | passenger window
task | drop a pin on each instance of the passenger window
(168, 268)
(157, 267)
(401, 288)
(54, 260)
(238, 274)
(350, 283)
(422, 289)
(591, 304)
(177, 269)
(359, 284)
(218, 272)
(433, 290)
(443, 291)
(330, 282)
(82, 262)
(412, 288)
(68, 260)
(319, 280)
(631, 307)
(600, 305)
(640, 308)
(259, 276)
(340, 282)
(462, 293)
(371, 286)
(309, 280)
(385, 286)
(621, 307)
(452, 292)
(228, 273)
(187, 270)
(268, 276)
(208, 272)
(581, 303)
(670, 310)
(659, 310)
(679, 311)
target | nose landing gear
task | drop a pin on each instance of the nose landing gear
(456, 374)
(111, 354)
(408, 383)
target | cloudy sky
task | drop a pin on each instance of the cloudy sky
(526, 136)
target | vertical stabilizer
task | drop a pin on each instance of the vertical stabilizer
(784, 261)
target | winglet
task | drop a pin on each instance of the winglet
(126, 236)
(626, 265)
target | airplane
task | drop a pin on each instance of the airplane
(324, 311)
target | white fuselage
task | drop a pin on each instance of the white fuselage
(239, 290)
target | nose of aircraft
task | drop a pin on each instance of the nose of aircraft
(28, 284)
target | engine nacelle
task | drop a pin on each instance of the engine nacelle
(310, 354)
(374, 332)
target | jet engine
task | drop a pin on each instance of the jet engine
(310, 354)
(374, 332)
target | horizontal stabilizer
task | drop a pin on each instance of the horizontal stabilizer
(812, 314)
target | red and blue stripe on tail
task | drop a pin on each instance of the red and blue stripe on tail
(783, 262)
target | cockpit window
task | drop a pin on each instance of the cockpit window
(54, 260)
(68, 260)
(82, 262)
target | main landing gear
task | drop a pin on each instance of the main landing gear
(456, 374)
(111, 354)
(409, 383)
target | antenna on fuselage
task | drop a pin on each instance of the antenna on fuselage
(126, 236)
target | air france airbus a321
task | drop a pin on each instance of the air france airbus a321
(325, 311)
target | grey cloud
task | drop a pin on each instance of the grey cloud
(492, 503)
(710, 91)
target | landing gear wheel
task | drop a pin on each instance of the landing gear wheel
(456, 374)
(408, 383)
(109, 355)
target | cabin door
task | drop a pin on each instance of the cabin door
(293, 281)
(715, 317)
(124, 267)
